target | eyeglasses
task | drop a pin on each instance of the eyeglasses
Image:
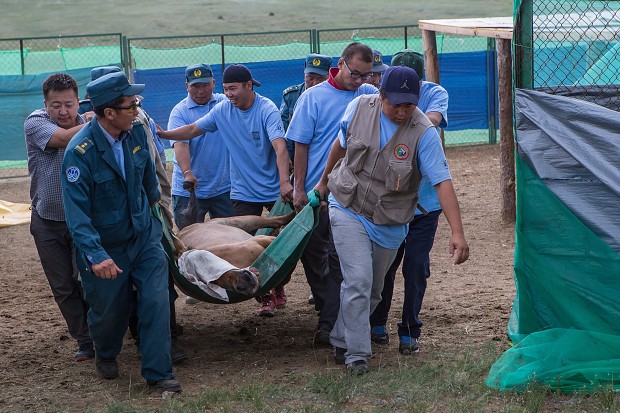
(132, 108)
(357, 75)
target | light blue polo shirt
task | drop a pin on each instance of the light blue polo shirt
(431, 163)
(209, 159)
(433, 98)
(318, 112)
(248, 135)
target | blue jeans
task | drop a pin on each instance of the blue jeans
(416, 269)
(364, 264)
(219, 206)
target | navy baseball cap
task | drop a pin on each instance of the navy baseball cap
(401, 85)
(200, 73)
(377, 62)
(410, 59)
(317, 63)
(111, 86)
(97, 72)
(238, 73)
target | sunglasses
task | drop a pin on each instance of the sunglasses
(132, 108)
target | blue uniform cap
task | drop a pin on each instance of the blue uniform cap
(97, 72)
(111, 86)
(200, 73)
(317, 63)
(377, 62)
(401, 85)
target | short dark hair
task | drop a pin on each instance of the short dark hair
(59, 82)
(111, 104)
(363, 52)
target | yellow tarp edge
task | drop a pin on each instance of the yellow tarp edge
(12, 213)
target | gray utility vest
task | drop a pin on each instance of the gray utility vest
(379, 184)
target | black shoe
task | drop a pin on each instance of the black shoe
(166, 385)
(177, 353)
(358, 367)
(408, 345)
(311, 299)
(322, 334)
(379, 335)
(339, 357)
(85, 352)
(107, 368)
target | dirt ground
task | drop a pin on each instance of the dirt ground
(464, 305)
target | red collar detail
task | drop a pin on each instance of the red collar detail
(332, 81)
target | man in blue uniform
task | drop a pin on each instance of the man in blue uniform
(417, 246)
(204, 161)
(378, 67)
(385, 146)
(109, 186)
(252, 130)
(316, 70)
(313, 129)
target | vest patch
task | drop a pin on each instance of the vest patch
(401, 151)
(136, 149)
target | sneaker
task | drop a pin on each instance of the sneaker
(279, 297)
(311, 299)
(379, 335)
(267, 306)
(85, 352)
(191, 300)
(408, 345)
(166, 385)
(107, 368)
(358, 367)
(339, 355)
(177, 353)
(322, 334)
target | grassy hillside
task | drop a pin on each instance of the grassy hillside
(32, 18)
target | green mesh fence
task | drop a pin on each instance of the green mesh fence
(37, 56)
(45, 55)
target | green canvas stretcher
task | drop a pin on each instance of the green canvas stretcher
(274, 264)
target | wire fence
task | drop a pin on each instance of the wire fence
(570, 48)
(275, 58)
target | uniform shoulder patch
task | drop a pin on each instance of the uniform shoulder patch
(83, 146)
(73, 173)
(290, 89)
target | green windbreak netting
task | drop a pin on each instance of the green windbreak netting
(565, 315)
(61, 59)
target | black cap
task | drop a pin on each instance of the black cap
(238, 73)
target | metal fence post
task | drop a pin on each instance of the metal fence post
(491, 90)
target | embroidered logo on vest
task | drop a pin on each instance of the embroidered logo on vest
(401, 151)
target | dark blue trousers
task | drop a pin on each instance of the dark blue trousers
(144, 266)
(416, 269)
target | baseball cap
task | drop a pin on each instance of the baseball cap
(401, 85)
(410, 59)
(111, 86)
(317, 63)
(97, 72)
(200, 73)
(238, 73)
(377, 62)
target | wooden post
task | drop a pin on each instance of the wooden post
(431, 63)
(507, 146)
